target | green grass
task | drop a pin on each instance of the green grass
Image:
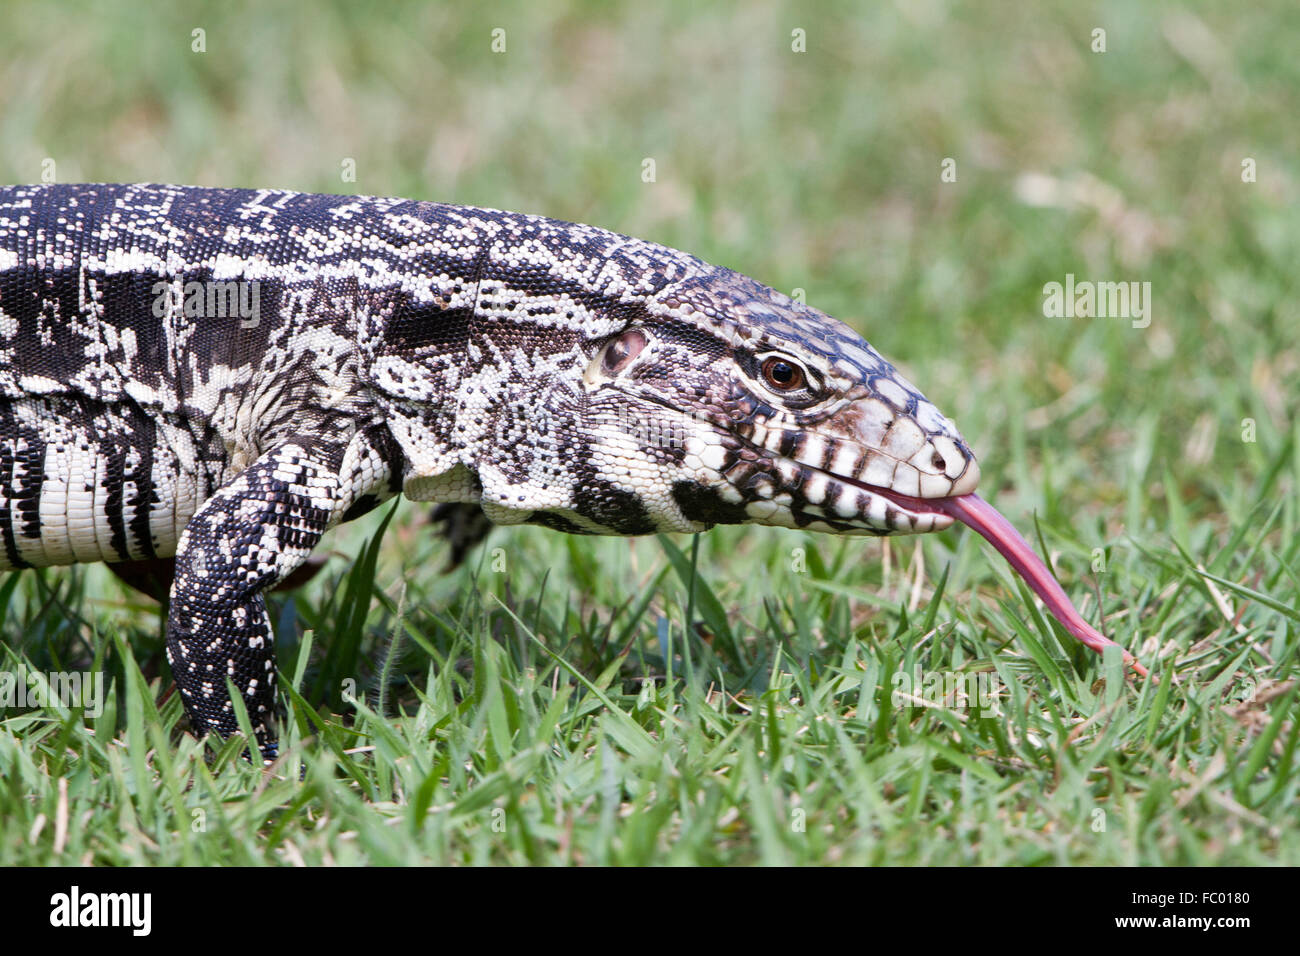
(607, 701)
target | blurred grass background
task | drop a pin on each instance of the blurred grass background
(817, 170)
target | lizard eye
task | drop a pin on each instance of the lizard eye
(782, 375)
(620, 353)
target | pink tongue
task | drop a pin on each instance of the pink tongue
(974, 511)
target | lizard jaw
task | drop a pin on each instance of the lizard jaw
(846, 504)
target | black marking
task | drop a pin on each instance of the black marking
(145, 500)
(114, 449)
(27, 486)
(556, 522)
(363, 506)
(8, 438)
(702, 503)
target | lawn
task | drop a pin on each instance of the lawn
(921, 171)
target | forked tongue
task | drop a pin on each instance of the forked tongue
(978, 514)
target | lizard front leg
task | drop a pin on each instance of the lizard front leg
(250, 535)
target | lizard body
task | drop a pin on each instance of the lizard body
(222, 375)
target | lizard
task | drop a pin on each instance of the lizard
(216, 377)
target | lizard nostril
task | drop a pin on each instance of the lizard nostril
(938, 462)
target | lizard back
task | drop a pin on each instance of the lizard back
(153, 339)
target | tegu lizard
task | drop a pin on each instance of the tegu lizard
(222, 375)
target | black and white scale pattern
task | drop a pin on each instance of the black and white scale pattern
(454, 354)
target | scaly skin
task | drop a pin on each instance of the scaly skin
(545, 372)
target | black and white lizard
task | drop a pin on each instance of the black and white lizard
(222, 375)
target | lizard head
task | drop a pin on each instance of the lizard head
(599, 384)
(724, 401)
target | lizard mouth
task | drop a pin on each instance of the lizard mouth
(981, 517)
